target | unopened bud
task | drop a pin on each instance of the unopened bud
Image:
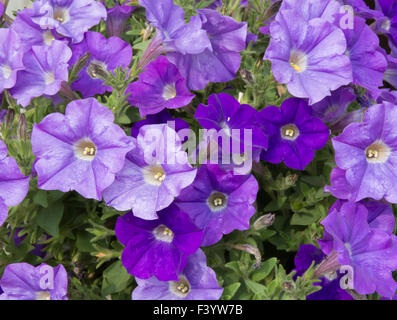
(22, 127)
(10, 100)
(67, 91)
(97, 70)
(9, 119)
(251, 250)
(272, 10)
(247, 76)
(291, 179)
(147, 32)
(80, 64)
(265, 221)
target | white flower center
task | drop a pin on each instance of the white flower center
(48, 37)
(169, 91)
(378, 152)
(298, 60)
(6, 71)
(217, 201)
(61, 14)
(49, 78)
(386, 25)
(154, 175)
(163, 233)
(43, 295)
(289, 132)
(85, 149)
(180, 288)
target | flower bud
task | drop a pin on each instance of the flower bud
(80, 64)
(265, 221)
(9, 119)
(22, 127)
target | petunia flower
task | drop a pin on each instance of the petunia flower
(159, 86)
(159, 247)
(219, 202)
(105, 56)
(117, 18)
(196, 282)
(45, 69)
(14, 185)
(155, 172)
(81, 150)
(22, 281)
(214, 5)
(70, 18)
(390, 74)
(370, 251)
(10, 59)
(308, 56)
(296, 134)
(366, 152)
(387, 22)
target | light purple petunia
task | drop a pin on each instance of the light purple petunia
(296, 134)
(219, 62)
(10, 58)
(81, 150)
(45, 69)
(155, 172)
(159, 247)
(310, 9)
(371, 251)
(105, 56)
(159, 86)
(70, 18)
(22, 281)
(13, 184)
(390, 74)
(219, 202)
(365, 154)
(196, 282)
(308, 55)
(117, 18)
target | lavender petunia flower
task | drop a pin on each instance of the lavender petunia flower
(45, 69)
(387, 22)
(330, 283)
(22, 281)
(310, 9)
(1, 9)
(158, 247)
(13, 184)
(296, 133)
(105, 56)
(221, 61)
(195, 282)
(219, 202)
(117, 18)
(81, 150)
(368, 64)
(10, 59)
(309, 56)
(70, 18)
(155, 172)
(160, 86)
(366, 152)
(390, 74)
(390, 96)
(371, 252)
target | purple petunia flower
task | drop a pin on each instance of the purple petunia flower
(22, 281)
(368, 64)
(155, 172)
(1, 9)
(158, 247)
(310, 9)
(219, 202)
(70, 18)
(13, 184)
(387, 22)
(214, 5)
(37, 250)
(160, 86)
(330, 283)
(81, 150)
(295, 133)
(365, 153)
(220, 61)
(308, 55)
(195, 282)
(105, 56)
(10, 59)
(371, 252)
(45, 69)
(117, 18)
(390, 74)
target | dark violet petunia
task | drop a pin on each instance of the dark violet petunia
(219, 202)
(70, 18)
(390, 74)
(330, 283)
(361, 9)
(45, 69)
(221, 61)
(308, 56)
(371, 252)
(386, 95)
(155, 172)
(105, 56)
(32, 34)
(296, 133)
(81, 150)
(214, 5)
(387, 22)
(117, 18)
(225, 113)
(333, 109)
(366, 155)
(196, 282)
(1, 9)
(159, 86)
(10, 58)
(37, 248)
(368, 64)
(159, 247)
(13, 184)
(22, 281)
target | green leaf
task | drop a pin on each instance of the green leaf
(306, 217)
(115, 278)
(230, 291)
(256, 288)
(264, 270)
(40, 198)
(50, 217)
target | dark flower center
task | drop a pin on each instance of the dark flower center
(217, 201)
(180, 288)
(378, 152)
(289, 132)
(163, 233)
(85, 149)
